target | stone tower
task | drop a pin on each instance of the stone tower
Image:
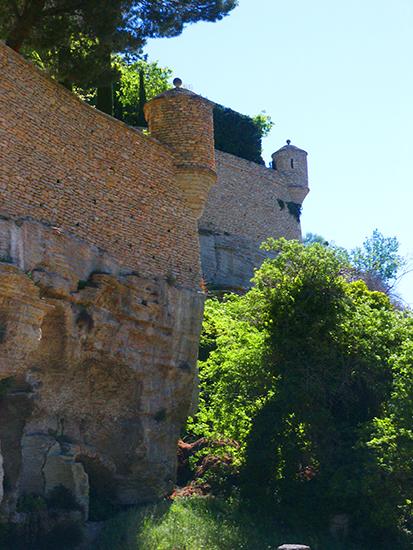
(291, 163)
(183, 121)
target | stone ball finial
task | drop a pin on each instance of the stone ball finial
(288, 141)
(177, 82)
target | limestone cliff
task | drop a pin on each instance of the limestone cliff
(97, 370)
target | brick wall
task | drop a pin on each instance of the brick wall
(184, 121)
(64, 163)
(244, 202)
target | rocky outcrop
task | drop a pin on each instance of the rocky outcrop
(228, 261)
(97, 371)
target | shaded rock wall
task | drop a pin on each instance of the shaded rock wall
(97, 370)
(228, 261)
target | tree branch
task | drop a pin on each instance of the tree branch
(71, 6)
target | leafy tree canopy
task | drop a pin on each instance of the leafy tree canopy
(264, 123)
(312, 374)
(311, 238)
(377, 262)
(239, 134)
(138, 82)
(379, 259)
(76, 37)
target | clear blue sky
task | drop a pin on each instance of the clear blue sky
(337, 79)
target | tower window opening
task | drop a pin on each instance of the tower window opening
(274, 165)
(292, 163)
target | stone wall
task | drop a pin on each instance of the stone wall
(244, 201)
(243, 210)
(67, 164)
(183, 121)
(100, 307)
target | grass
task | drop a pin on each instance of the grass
(199, 523)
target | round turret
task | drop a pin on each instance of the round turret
(291, 162)
(183, 121)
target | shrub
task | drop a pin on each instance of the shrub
(237, 134)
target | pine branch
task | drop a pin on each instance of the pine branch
(59, 10)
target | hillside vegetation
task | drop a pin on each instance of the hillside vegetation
(304, 432)
(306, 385)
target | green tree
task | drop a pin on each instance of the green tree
(75, 39)
(264, 123)
(234, 381)
(311, 373)
(378, 260)
(138, 82)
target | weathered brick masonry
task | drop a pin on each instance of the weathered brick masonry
(100, 308)
(67, 164)
(249, 204)
(245, 201)
(134, 196)
(182, 120)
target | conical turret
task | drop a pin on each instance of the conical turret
(291, 162)
(183, 121)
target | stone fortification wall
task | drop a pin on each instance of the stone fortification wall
(244, 201)
(100, 308)
(64, 163)
(243, 210)
(98, 222)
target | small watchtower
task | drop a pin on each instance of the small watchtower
(183, 121)
(291, 162)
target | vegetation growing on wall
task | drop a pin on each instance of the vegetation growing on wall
(239, 134)
(294, 208)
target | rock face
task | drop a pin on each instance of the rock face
(228, 261)
(97, 370)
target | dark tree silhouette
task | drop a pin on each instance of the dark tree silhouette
(75, 38)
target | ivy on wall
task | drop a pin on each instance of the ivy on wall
(237, 134)
(294, 208)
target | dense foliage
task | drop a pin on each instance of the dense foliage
(240, 134)
(312, 373)
(76, 39)
(138, 82)
(379, 260)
